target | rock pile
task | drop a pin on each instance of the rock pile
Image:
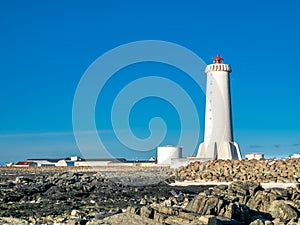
(287, 170)
(238, 203)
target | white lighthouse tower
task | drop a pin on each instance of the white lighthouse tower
(218, 137)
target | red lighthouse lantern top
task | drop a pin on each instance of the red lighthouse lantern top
(218, 59)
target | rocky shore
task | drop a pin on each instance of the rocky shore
(47, 196)
(238, 203)
(143, 195)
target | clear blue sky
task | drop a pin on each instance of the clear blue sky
(46, 46)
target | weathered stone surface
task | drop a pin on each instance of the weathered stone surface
(257, 222)
(133, 210)
(187, 216)
(204, 205)
(8, 221)
(124, 218)
(279, 209)
(159, 217)
(174, 220)
(167, 210)
(238, 212)
(293, 221)
(277, 221)
(147, 212)
(254, 187)
(226, 221)
(239, 187)
(208, 219)
(268, 222)
(280, 193)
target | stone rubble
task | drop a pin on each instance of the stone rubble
(263, 171)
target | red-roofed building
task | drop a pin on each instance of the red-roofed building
(25, 164)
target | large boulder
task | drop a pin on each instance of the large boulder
(239, 212)
(147, 212)
(205, 205)
(257, 222)
(280, 209)
(123, 218)
(239, 187)
(10, 220)
(280, 193)
(219, 206)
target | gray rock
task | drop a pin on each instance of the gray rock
(147, 212)
(257, 217)
(280, 193)
(205, 205)
(293, 221)
(239, 187)
(174, 220)
(123, 218)
(226, 221)
(254, 187)
(9, 220)
(210, 206)
(239, 212)
(208, 219)
(257, 222)
(277, 221)
(268, 222)
(159, 217)
(279, 209)
(219, 189)
(167, 210)
(196, 204)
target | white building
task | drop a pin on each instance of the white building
(257, 156)
(25, 164)
(44, 162)
(218, 137)
(76, 161)
(52, 162)
(94, 162)
(64, 162)
(295, 156)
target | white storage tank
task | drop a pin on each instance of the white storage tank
(166, 153)
(74, 158)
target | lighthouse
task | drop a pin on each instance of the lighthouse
(218, 136)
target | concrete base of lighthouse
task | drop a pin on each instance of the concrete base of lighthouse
(223, 150)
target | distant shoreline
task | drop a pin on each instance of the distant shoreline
(83, 168)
